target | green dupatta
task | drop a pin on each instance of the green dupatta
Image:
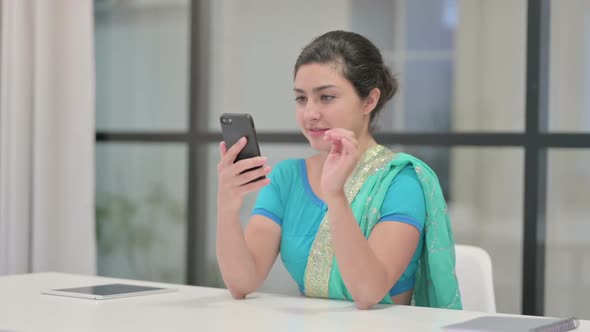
(436, 284)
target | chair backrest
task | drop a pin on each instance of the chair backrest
(474, 273)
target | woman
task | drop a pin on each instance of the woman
(353, 222)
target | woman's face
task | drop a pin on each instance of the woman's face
(326, 100)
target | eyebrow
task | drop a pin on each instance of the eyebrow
(316, 89)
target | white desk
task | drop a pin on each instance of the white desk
(196, 309)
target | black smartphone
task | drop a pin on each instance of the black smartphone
(235, 126)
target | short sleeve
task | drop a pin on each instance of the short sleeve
(404, 200)
(271, 198)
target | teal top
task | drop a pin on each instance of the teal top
(290, 202)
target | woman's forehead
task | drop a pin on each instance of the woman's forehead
(313, 76)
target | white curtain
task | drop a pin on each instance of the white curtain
(47, 137)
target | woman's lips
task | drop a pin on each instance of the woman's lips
(315, 132)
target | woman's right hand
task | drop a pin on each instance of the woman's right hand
(232, 184)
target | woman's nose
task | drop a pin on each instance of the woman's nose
(311, 112)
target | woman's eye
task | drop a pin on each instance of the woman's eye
(300, 99)
(327, 97)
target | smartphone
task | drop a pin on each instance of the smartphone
(235, 126)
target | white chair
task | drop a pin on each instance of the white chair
(474, 273)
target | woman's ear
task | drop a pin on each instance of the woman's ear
(371, 101)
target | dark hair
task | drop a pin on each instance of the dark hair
(359, 59)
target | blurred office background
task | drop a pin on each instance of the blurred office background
(166, 70)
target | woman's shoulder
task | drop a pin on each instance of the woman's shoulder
(414, 168)
(407, 172)
(405, 160)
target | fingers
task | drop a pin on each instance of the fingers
(343, 141)
(222, 149)
(348, 147)
(239, 178)
(231, 154)
(246, 164)
(246, 188)
(246, 177)
(336, 145)
(339, 132)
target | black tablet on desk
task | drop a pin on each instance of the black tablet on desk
(108, 291)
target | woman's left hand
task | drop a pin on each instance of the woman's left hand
(341, 161)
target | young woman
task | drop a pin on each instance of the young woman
(353, 222)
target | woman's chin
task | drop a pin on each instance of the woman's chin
(320, 145)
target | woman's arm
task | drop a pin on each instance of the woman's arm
(370, 267)
(245, 258)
